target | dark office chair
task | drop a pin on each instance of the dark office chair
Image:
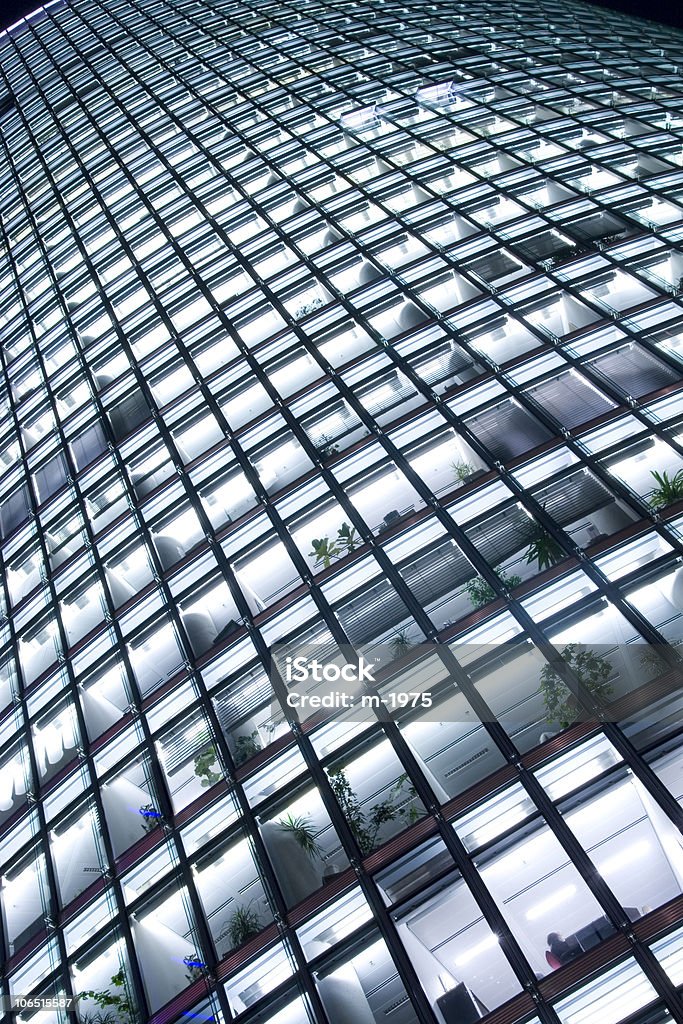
(553, 962)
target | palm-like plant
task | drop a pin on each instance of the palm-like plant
(400, 644)
(242, 925)
(301, 828)
(544, 550)
(668, 490)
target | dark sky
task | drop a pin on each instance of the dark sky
(668, 11)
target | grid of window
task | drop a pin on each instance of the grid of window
(353, 323)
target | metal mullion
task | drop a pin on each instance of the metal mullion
(292, 551)
(635, 337)
(658, 791)
(153, 766)
(84, 757)
(161, 783)
(18, 710)
(539, 513)
(33, 796)
(170, 445)
(265, 869)
(486, 902)
(344, 303)
(314, 772)
(600, 890)
(369, 196)
(402, 961)
(492, 143)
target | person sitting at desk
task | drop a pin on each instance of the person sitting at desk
(562, 950)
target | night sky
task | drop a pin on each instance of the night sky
(670, 12)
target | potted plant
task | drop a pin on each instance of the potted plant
(302, 830)
(347, 538)
(242, 925)
(481, 593)
(326, 448)
(592, 672)
(465, 472)
(400, 644)
(307, 307)
(246, 747)
(203, 767)
(669, 489)
(462, 470)
(196, 968)
(324, 550)
(543, 549)
(151, 817)
(114, 1007)
(366, 825)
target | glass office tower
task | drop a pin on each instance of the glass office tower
(330, 326)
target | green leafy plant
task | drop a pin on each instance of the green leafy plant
(462, 470)
(366, 825)
(480, 592)
(203, 767)
(151, 817)
(669, 489)
(347, 538)
(242, 925)
(543, 549)
(400, 644)
(653, 660)
(246, 747)
(324, 550)
(301, 828)
(592, 672)
(113, 1007)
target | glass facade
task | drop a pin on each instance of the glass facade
(341, 325)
